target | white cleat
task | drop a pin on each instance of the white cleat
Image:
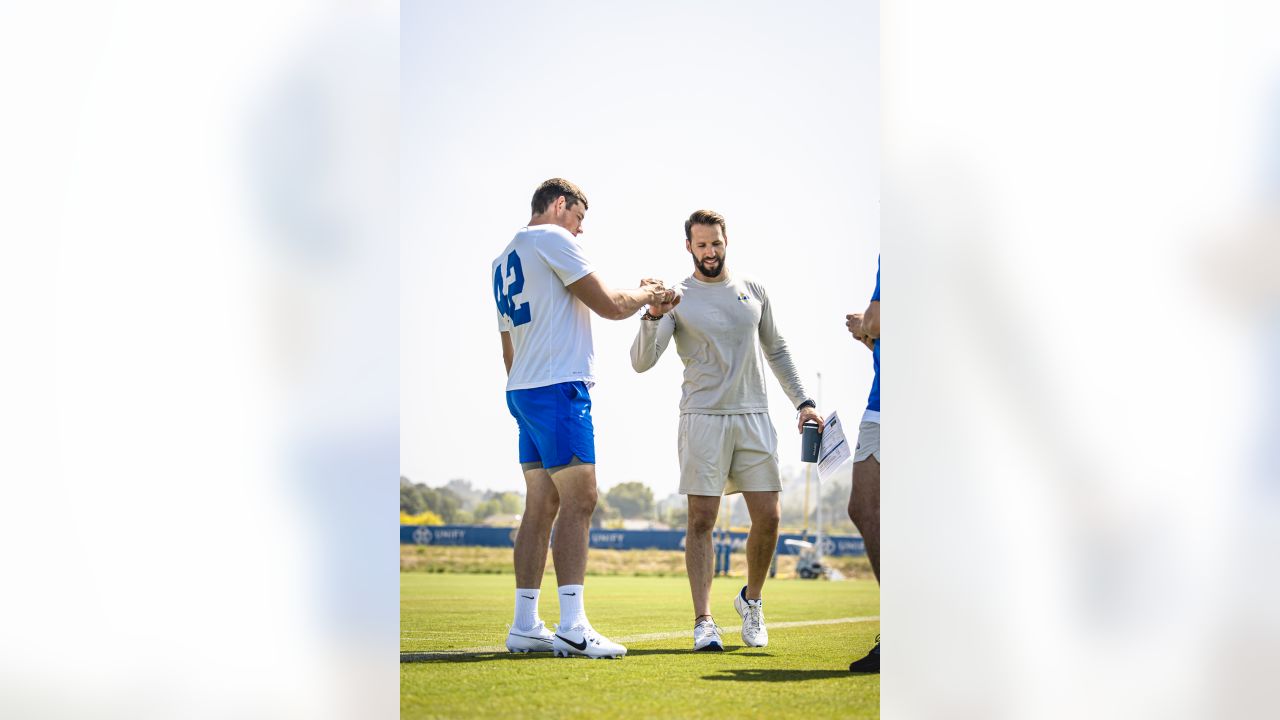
(706, 637)
(754, 633)
(525, 641)
(585, 641)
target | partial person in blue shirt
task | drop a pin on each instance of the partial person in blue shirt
(864, 497)
(869, 326)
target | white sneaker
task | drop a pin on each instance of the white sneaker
(754, 633)
(536, 640)
(585, 641)
(706, 636)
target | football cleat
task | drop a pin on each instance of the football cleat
(870, 663)
(585, 641)
(524, 641)
(754, 633)
(706, 637)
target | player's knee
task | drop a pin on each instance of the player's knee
(580, 504)
(768, 521)
(542, 507)
(701, 523)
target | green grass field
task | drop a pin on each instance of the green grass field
(496, 560)
(803, 673)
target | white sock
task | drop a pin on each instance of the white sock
(571, 612)
(526, 609)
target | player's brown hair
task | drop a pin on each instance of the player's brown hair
(548, 191)
(705, 217)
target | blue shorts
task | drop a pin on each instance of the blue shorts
(555, 423)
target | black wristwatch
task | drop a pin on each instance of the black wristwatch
(647, 316)
(805, 404)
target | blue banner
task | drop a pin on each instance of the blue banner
(483, 536)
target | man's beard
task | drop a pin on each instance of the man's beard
(713, 272)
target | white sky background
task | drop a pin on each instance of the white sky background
(766, 113)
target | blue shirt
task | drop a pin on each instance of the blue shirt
(873, 400)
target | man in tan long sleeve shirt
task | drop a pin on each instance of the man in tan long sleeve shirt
(724, 333)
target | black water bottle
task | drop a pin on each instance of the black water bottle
(809, 444)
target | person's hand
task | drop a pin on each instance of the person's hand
(854, 321)
(663, 308)
(658, 293)
(810, 415)
(661, 301)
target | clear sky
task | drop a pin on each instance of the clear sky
(768, 114)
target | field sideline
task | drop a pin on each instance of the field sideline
(452, 664)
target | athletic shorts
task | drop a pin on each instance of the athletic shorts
(555, 424)
(868, 442)
(726, 454)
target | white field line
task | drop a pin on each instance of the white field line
(408, 656)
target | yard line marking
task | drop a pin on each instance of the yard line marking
(644, 637)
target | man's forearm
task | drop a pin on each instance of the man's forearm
(629, 301)
(651, 340)
(871, 320)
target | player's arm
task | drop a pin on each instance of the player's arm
(865, 326)
(871, 320)
(869, 327)
(616, 304)
(651, 341)
(508, 350)
(854, 323)
(654, 335)
(776, 352)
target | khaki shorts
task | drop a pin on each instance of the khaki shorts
(726, 454)
(868, 442)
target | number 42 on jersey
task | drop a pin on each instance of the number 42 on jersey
(508, 282)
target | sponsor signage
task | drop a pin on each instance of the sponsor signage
(483, 536)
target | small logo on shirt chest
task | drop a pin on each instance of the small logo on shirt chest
(743, 297)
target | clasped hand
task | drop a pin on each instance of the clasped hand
(662, 298)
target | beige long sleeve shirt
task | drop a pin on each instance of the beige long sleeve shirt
(724, 333)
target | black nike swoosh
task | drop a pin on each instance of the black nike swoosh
(527, 597)
(531, 637)
(569, 594)
(580, 646)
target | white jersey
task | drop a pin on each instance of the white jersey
(550, 328)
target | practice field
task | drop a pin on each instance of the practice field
(453, 663)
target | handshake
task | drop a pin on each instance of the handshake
(661, 297)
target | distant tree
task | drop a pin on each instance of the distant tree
(487, 508)
(677, 516)
(466, 494)
(499, 503)
(416, 498)
(603, 513)
(443, 502)
(631, 499)
(460, 486)
(512, 503)
(411, 500)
